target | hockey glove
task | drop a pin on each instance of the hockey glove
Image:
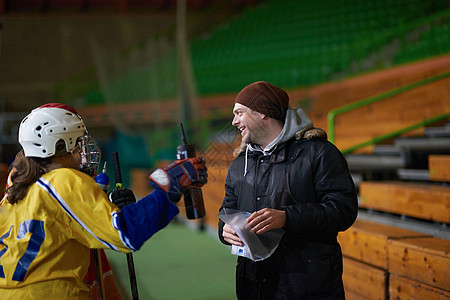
(179, 176)
(121, 197)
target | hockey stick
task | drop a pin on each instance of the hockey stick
(98, 274)
(131, 270)
(103, 181)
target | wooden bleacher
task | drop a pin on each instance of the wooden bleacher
(422, 259)
(367, 242)
(393, 114)
(403, 288)
(423, 201)
(365, 250)
(415, 265)
(382, 262)
(362, 281)
(439, 166)
(333, 95)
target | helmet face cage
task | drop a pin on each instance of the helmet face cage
(90, 154)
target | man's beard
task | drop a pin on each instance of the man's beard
(255, 136)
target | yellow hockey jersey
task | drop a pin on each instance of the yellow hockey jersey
(46, 236)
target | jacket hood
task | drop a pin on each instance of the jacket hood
(295, 125)
(296, 120)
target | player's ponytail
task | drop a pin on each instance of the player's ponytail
(26, 170)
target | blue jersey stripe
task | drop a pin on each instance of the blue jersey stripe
(45, 185)
(123, 237)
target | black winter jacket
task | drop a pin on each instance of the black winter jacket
(308, 179)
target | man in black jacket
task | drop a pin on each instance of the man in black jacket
(289, 176)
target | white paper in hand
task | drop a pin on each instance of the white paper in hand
(257, 247)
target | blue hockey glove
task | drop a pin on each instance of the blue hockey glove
(121, 197)
(179, 176)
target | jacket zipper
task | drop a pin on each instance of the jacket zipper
(255, 182)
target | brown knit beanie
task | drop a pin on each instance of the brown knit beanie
(265, 98)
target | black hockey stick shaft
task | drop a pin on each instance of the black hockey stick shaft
(98, 274)
(130, 262)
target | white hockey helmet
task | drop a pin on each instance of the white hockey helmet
(40, 130)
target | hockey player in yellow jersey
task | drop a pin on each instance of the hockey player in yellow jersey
(53, 214)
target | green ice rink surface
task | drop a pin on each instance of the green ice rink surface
(178, 263)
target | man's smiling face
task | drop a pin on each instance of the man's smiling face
(249, 123)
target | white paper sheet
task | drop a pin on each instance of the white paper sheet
(256, 247)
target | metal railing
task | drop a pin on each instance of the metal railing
(355, 105)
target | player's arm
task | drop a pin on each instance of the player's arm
(138, 221)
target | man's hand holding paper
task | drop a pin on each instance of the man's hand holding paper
(244, 240)
(266, 219)
(230, 236)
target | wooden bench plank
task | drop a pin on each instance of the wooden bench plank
(425, 260)
(363, 281)
(439, 166)
(367, 241)
(406, 289)
(424, 201)
(349, 295)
